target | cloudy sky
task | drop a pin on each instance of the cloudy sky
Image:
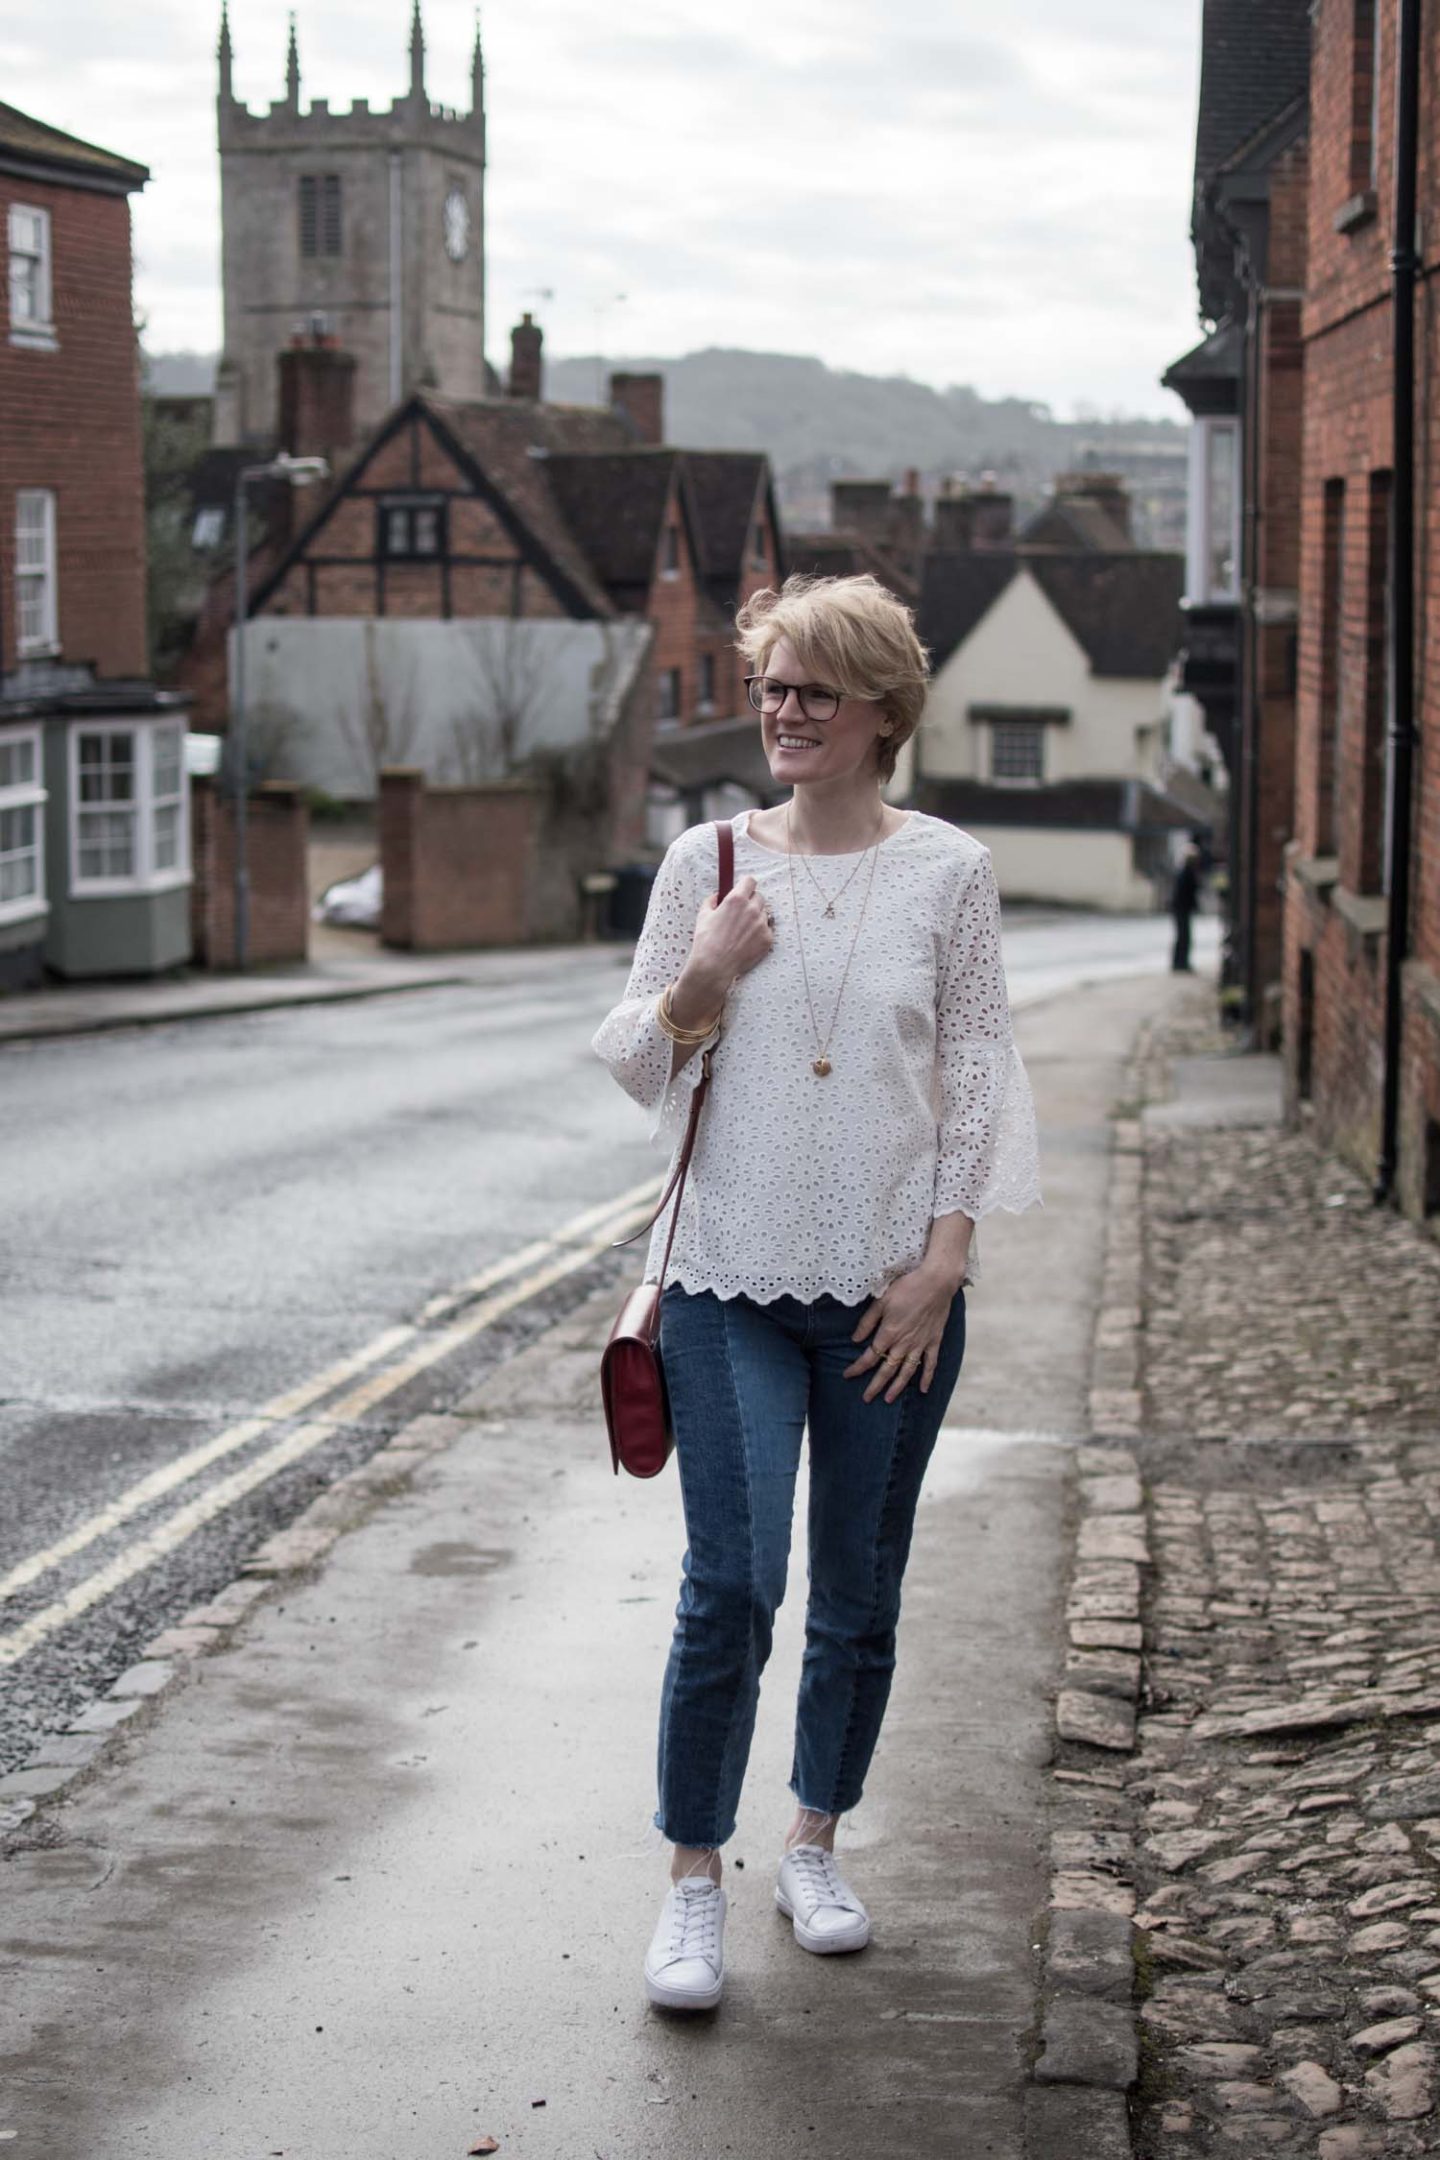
(961, 192)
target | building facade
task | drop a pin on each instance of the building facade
(1244, 387)
(369, 225)
(1354, 859)
(94, 839)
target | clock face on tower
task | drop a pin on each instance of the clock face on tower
(457, 226)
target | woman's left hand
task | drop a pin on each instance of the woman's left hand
(906, 1323)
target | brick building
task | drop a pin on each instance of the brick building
(483, 576)
(94, 847)
(1244, 387)
(1351, 861)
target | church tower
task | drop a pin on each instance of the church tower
(366, 226)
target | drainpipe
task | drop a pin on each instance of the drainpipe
(1250, 693)
(1404, 265)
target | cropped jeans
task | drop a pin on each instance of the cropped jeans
(744, 1381)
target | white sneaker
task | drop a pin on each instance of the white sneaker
(813, 1893)
(685, 1964)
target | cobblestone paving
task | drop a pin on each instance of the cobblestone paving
(1287, 1772)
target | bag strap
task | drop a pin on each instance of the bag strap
(725, 842)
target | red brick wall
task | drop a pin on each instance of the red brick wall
(673, 607)
(455, 861)
(70, 422)
(1339, 928)
(277, 828)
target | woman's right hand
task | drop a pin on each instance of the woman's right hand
(731, 936)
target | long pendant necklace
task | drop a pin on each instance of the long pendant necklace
(820, 1064)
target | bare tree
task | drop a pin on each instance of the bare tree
(382, 728)
(513, 681)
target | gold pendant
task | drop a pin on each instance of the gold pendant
(821, 1066)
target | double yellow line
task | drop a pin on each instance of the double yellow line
(499, 1289)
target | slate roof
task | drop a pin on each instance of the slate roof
(35, 142)
(723, 485)
(1073, 521)
(1122, 607)
(1254, 59)
(614, 503)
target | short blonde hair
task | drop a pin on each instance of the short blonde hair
(851, 632)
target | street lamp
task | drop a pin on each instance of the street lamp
(300, 472)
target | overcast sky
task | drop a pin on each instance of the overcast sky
(957, 190)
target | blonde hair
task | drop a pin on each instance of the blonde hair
(851, 632)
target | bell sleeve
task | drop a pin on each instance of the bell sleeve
(630, 1040)
(989, 1154)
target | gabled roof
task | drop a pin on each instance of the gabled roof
(1123, 608)
(723, 487)
(614, 503)
(30, 142)
(509, 442)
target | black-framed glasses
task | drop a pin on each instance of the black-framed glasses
(768, 695)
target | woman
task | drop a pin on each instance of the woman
(867, 1108)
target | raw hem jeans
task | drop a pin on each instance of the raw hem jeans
(744, 1380)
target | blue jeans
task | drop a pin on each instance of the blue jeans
(744, 1379)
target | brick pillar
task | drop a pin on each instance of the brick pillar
(276, 835)
(402, 794)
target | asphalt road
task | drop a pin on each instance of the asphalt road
(202, 1218)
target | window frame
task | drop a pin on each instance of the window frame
(408, 505)
(47, 642)
(1200, 537)
(38, 333)
(145, 876)
(670, 550)
(669, 694)
(31, 795)
(1009, 730)
(705, 701)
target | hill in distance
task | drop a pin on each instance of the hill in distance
(820, 423)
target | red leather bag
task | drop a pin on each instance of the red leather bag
(632, 1379)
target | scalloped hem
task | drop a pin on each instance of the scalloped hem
(727, 1287)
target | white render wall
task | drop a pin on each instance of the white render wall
(330, 701)
(1072, 869)
(1021, 653)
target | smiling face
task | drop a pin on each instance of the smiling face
(800, 750)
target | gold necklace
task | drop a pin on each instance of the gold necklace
(829, 903)
(820, 1064)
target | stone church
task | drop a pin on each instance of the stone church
(364, 227)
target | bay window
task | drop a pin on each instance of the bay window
(22, 825)
(128, 822)
(1213, 540)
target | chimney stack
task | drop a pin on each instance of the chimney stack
(526, 341)
(317, 394)
(1106, 490)
(862, 506)
(973, 518)
(640, 399)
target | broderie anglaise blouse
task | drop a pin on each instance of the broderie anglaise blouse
(804, 1185)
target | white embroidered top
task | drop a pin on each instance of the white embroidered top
(807, 1185)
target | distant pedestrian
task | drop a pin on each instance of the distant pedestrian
(1184, 900)
(868, 1107)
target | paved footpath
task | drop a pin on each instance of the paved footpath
(1287, 1776)
(365, 1870)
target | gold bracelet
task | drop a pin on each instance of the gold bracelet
(688, 1038)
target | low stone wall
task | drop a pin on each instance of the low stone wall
(457, 862)
(277, 827)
